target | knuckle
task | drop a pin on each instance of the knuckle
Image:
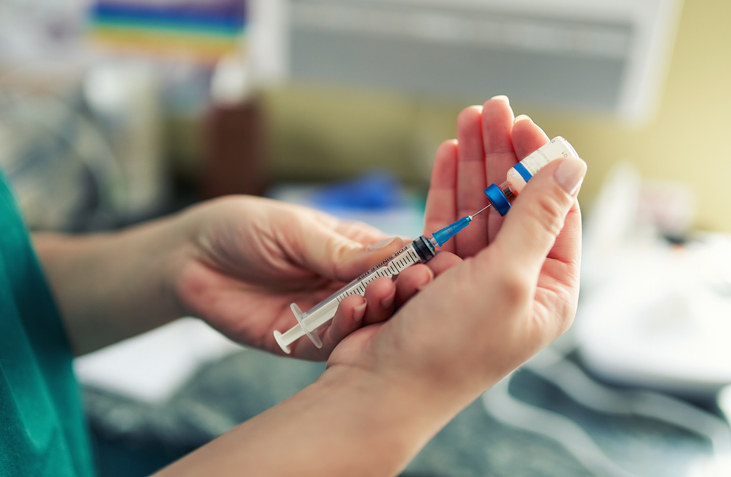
(339, 265)
(339, 253)
(514, 288)
(547, 212)
(339, 249)
(567, 310)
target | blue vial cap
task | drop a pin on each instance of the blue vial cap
(498, 199)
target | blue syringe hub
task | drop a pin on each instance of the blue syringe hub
(441, 236)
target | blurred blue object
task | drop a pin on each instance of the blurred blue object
(375, 198)
(377, 190)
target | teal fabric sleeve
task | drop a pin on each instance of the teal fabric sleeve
(41, 418)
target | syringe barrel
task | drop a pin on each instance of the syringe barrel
(501, 196)
(418, 251)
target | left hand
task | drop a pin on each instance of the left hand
(248, 258)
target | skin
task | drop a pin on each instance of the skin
(235, 262)
(502, 290)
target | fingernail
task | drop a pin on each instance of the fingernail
(359, 312)
(502, 97)
(428, 280)
(569, 174)
(522, 117)
(381, 244)
(388, 301)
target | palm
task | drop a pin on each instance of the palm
(245, 273)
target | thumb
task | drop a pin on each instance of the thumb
(336, 256)
(530, 230)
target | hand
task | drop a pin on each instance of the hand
(391, 386)
(479, 319)
(489, 142)
(249, 258)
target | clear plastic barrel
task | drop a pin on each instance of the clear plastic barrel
(315, 317)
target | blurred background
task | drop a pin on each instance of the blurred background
(117, 111)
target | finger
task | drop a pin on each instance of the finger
(358, 261)
(360, 232)
(559, 275)
(470, 181)
(442, 262)
(348, 318)
(569, 240)
(497, 125)
(416, 278)
(333, 255)
(538, 216)
(380, 296)
(410, 281)
(441, 201)
(526, 136)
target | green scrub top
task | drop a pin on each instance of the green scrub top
(42, 427)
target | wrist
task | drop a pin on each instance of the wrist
(163, 249)
(349, 422)
(397, 416)
(110, 286)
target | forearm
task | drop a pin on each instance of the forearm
(112, 286)
(349, 422)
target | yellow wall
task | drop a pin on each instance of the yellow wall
(688, 138)
(325, 133)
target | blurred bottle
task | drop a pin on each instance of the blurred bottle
(234, 133)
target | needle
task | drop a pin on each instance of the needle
(480, 211)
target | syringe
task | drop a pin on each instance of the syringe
(423, 248)
(420, 250)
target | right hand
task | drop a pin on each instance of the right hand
(481, 318)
